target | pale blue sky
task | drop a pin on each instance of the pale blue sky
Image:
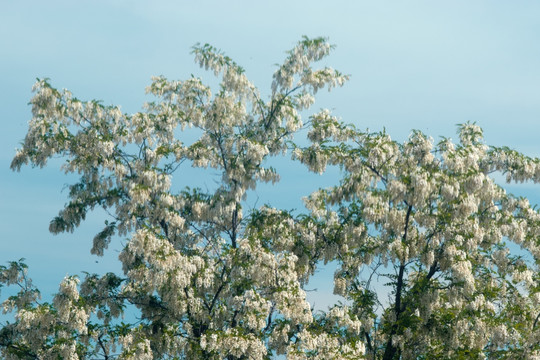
(414, 64)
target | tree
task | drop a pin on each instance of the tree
(211, 280)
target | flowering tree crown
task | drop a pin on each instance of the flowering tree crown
(420, 231)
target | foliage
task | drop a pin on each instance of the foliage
(211, 281)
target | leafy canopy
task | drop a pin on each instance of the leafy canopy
(420, 230)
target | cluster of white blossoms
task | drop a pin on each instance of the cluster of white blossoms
(50, 331)
(419, 230)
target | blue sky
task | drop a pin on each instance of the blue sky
(426, 65)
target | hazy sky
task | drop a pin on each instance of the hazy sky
(425, 65)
